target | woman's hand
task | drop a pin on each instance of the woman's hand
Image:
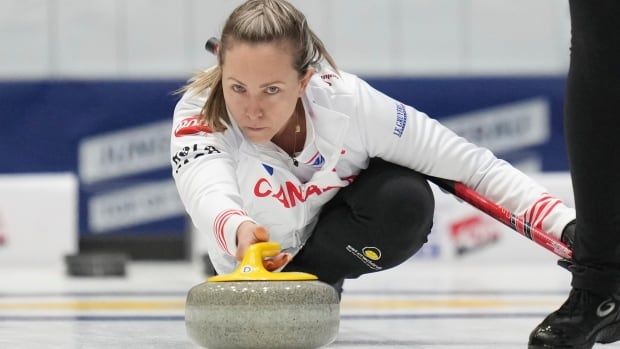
(250, 233)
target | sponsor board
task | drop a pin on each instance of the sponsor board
(506, 127)
(472, 232)
(125, 152)
(133, 206)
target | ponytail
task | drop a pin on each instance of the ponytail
(321, 52)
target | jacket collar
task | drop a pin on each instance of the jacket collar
(330, 126)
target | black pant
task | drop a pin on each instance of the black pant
(592, 129)
(376, 223)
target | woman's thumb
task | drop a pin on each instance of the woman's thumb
(261, 234)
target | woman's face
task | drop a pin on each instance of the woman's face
(261, 88)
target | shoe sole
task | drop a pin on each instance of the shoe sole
(605, 335)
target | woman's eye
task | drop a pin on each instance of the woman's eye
(272, 90)
(238, 88)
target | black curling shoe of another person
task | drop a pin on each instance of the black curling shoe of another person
(584, 319)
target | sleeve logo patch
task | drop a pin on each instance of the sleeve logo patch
(327, 78)
(191, 126)
(188, 153)
(401, 120)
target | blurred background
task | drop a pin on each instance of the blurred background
(86, 101)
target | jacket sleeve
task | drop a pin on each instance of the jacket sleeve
(203, 168)
(403, 135)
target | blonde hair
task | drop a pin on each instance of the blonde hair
(258, 21)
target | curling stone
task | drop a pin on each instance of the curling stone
(255, 308)
(96, 264)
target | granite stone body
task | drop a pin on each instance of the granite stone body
(262, 314)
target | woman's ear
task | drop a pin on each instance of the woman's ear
(305, 80)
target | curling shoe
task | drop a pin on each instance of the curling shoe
(584, 319)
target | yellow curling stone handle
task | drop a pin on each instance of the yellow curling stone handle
(251, 267)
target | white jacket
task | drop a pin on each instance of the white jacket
(224, 180)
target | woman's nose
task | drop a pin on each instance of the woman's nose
(254, 110)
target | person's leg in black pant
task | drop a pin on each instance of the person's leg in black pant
(377, 222)
(592, 125)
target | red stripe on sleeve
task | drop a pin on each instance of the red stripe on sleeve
(218, 227)
(539, 224)
(540, 210)
(530, 212)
